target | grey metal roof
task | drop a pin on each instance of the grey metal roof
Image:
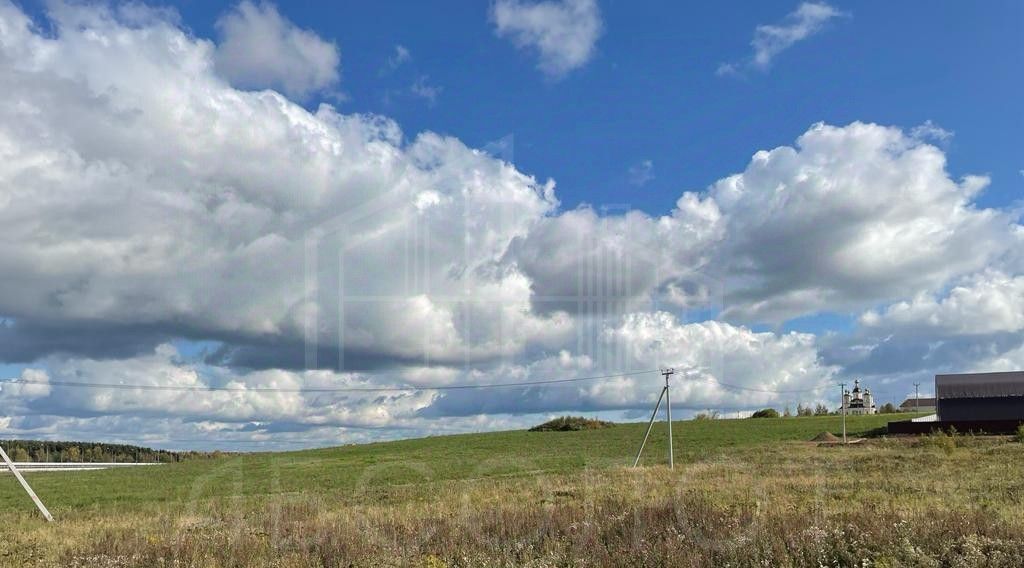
(912, 402)
(979, 385)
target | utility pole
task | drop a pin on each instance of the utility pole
(842, 403)
(28, 489)
(654, 415)
(917, 397)
(668, 411)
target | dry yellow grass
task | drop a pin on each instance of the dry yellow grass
(883, 503)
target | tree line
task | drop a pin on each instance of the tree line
(86, 452)
(817, 410)
(801, 410)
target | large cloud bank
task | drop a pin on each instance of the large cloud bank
(148, 199)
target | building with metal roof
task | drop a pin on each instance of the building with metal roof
(971, 402)
(915, 404)
(980, 396)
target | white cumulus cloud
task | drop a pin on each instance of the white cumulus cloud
(261, 49)
(848, 218)
(140, 191)
(988, 302)
(641, 173)
(563, 33)
(717, 361)
(772, 39)
(144, 199)
(580, 260)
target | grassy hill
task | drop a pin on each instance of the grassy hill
(423, 460)
(744, 492)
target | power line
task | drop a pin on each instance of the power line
(411, 388)
(768, 391)
(186, 388)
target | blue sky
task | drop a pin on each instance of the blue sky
(777, 194)
(650, 92)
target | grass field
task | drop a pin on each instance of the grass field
(744, 492)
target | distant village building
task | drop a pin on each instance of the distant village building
(980, 396)
(858, 401)
(914, 404)
(971, 402)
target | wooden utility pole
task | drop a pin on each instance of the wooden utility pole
(668, 411)
(842, 403)
(28, 489)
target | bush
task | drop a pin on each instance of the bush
(571, 424)
(939, 440)
(766, 413)
(1019, 436)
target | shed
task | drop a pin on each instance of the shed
(924, 404)
(980, 396)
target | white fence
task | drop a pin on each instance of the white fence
(67, 466)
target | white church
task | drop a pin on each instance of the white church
(858, 401)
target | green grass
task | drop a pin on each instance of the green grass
(748, 492)
(420, 461)
(417, 461)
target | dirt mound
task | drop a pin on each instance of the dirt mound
(826, 437)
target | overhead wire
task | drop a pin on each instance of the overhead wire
(767, 391)
(300, 390)
(406, 388)
(349, 389)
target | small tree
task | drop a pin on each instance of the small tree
(888, 408)
(20, 455)
(802, 410)
(766, 413)
(821, 410)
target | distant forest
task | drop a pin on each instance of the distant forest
(88, 452)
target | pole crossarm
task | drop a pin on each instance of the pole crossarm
(28, 488)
